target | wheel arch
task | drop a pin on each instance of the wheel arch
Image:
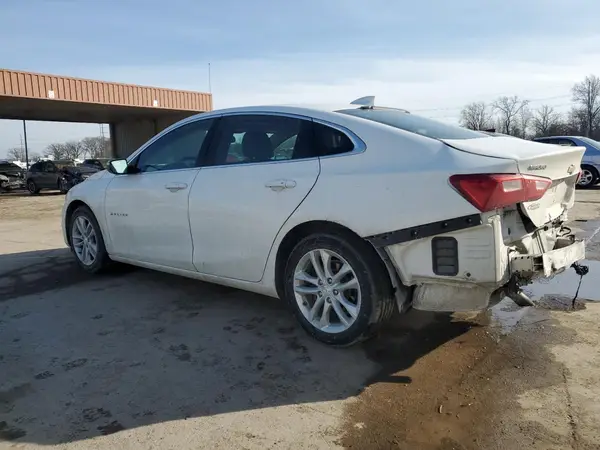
(305, 229)
(69, 213)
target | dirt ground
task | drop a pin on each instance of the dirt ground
(141, 360)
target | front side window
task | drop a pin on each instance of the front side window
(178, 149)
(256, 138)
(414, 124)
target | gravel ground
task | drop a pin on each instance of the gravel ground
(142, 360)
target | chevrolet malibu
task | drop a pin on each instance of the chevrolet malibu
(347, 214)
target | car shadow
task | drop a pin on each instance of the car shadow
(25, 193)
(87, 356)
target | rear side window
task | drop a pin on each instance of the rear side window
(331, 141)
(414, 124)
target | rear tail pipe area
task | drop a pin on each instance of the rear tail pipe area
(519, 297)
(514, 292)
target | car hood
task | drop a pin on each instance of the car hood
(17, 173)
(79, 170)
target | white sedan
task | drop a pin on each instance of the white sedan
(348, 215)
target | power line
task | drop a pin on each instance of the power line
(453, 108)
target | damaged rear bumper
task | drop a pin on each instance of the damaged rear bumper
(522, 270)
(484, 268)
(566, 252)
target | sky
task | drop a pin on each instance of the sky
(431, 56)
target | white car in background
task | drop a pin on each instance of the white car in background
(346, 214)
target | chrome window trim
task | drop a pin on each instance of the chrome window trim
(359, 145)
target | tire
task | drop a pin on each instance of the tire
(373, 288)
(32, 187)
(83, 216)
(589, 177)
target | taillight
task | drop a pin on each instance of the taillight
(491, 191)
(579, 176)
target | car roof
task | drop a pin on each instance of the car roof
(557, 137)
(318, 110)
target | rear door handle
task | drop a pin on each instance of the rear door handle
(174, 187)
(279, 185)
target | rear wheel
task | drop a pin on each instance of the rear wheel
(87, 242)
(32, 187)
(338, 288)
(589, 177)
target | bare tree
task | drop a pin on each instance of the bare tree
(34, 157)
(525, 118)
(587, 95)
(57, 151)
(96, 146)
(476, 116)
(16, 153)
(544, 120)
(576, 121)
(508, 109)
(73, 149)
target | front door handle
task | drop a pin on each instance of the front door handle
(174, 187)
(279, 185)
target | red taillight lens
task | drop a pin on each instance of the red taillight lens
(579, 176)
(491, 191)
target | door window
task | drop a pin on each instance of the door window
(178, 149)
(49, 167)
(256, 138)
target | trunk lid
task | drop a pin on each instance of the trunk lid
(559, 163)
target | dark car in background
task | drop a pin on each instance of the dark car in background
(61, 175)
(590, 164)
(99, 163)
(11, 176)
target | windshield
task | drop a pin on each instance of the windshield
(591, 142)
(415, 124)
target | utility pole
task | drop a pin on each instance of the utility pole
(26, 151)
(209, 86)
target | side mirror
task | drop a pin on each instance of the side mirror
(118, 166)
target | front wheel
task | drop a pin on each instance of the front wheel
(87, 242)
(338, 288)
(32, 187)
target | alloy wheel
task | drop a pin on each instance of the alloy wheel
(586, 178)
(85, 241)
(327, 291)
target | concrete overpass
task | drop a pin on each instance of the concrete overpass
(134, 113)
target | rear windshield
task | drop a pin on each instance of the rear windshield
(414, 124)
